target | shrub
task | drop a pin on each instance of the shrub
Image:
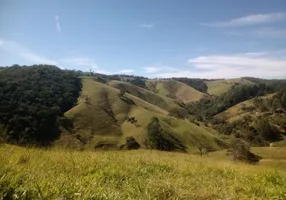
(178, 113)
(158, 139)
(131, 143)
(240, 151)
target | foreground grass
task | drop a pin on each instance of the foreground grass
(142, 174)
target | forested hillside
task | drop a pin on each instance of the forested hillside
(31, 100)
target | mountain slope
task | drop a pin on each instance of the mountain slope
(176, 90)
(218, 87)
(100, 120)
(146, 95)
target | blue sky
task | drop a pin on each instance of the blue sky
(153, 38)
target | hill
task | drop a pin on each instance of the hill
(45, 106)
(175, 90)
(103, 120)
(144, 94)
(218, 87)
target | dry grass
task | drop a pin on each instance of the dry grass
(143, 174)
(219, 87)
(176, 90)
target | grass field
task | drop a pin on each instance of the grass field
(142, 174)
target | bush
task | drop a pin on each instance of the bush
(131, 143)
(178, 113)
(240, 151)
(158, 139)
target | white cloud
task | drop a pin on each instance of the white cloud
(147, 25)
(151, 69)
(232, 66)
(58, 24)
(250, 20)
(17, 49)
(157, 68)
(125, 71)
(81, 62)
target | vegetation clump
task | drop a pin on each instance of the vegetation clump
(240, 151)
(158, 139)
(131, 143)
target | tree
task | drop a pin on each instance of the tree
(199, 144)
(121, 92)
(131, 143)
(267, 131)
(158, 139)
(178, 113)
(240, 151)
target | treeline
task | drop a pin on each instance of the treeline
(258, 132)
(206, 108)
(198, 84)
(275, 104)
(31, 100)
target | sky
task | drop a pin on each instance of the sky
(152, 38)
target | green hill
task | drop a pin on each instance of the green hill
(100, 119)
(176, 90)
(146, 95)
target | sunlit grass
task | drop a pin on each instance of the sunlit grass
(142, 174)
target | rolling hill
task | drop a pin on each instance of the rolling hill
(176, 90)
(218, 87)
(95, 111)
(100, 118)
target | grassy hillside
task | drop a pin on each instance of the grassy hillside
(142, 174)
(219, 87)
(100, 119)
(176, 90)
(242, 109)
(151, 97)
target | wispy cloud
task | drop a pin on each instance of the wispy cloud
(58, 24)
(271, 32)
(125, 71)
(19, 50)
(249, 20)
(82, 63)
(257, 64)
(147, 25)
(158, 68)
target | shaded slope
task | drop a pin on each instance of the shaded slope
(219, 87)
(176, 90)
(146, 95)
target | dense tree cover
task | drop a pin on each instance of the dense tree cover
(138, 82)
(32, 98)
(258, 132)
(157, 138)
(198, 84)
(275, 104)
